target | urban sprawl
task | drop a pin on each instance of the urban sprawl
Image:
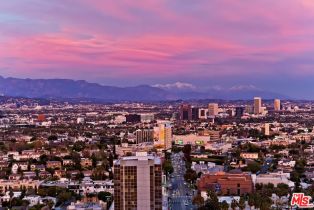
(214, 155)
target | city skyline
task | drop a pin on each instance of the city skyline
(206, 44)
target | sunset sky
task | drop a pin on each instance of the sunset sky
(266, 44)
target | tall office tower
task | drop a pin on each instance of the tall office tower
(249, 109)
(257, 105)
(195, 113)
(239, 112)
(277, 105)
(138, 182)
(165, 135)
(212, 109)
(266, 129)
(202, 114)
(144, 135)
(185, 112)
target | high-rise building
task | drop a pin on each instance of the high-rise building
(144, 135)
(212, 109)
(249, 109)
(202, 113)
(257, 105)
(266, 129)
(195, 113)
(185, 112)
(277, 105)
(239, 112)
(138, 182)
(165, 135)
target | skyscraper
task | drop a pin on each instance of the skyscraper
(195, 113)
(266, 129)
(163, 135)
(277, 105)
(202, 113)
(239, 112)
(257, 105)
(138, 182)
(185, 112)
(144, 135)
(212, 109)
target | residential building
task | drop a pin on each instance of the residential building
(138, 182)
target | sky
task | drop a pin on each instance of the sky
(262, 44)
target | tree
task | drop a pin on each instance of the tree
(212, 202)
(187, 152)
(251, 200)
(224, 205)
(94, 160)
(282, 189)
(64, 196)
(99, 173)
(190, 175)
(167, 167)
(53, 138)
(198, 200)
(234, 204)
(241, 203)
(202, 149)
(78, 146)
(254, 167)
(266, 203)
(11, 194)
(104, 196)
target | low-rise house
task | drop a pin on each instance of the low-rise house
(23, 166)
(4, 165)
(60, 173)
(16, 185)
(44, 175)
(67, 162)
(29, 175)
(85, 162)
(273, 178)
(87, 206)
(249, 155)
(54, 164)
(287, 163)
(226, 183)
(40, 168)
(6, 197)
(15, 176)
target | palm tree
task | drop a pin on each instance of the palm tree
(224, 205)
(11, 194)
(198, 200)
(234, 204)
(241, 203)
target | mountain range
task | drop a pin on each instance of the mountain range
(66, 88)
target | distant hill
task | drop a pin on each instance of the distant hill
(66, 88)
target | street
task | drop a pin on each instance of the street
(180, 194)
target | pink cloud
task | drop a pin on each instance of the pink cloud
(157, 37)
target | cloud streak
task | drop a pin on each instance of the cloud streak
(159, 41)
